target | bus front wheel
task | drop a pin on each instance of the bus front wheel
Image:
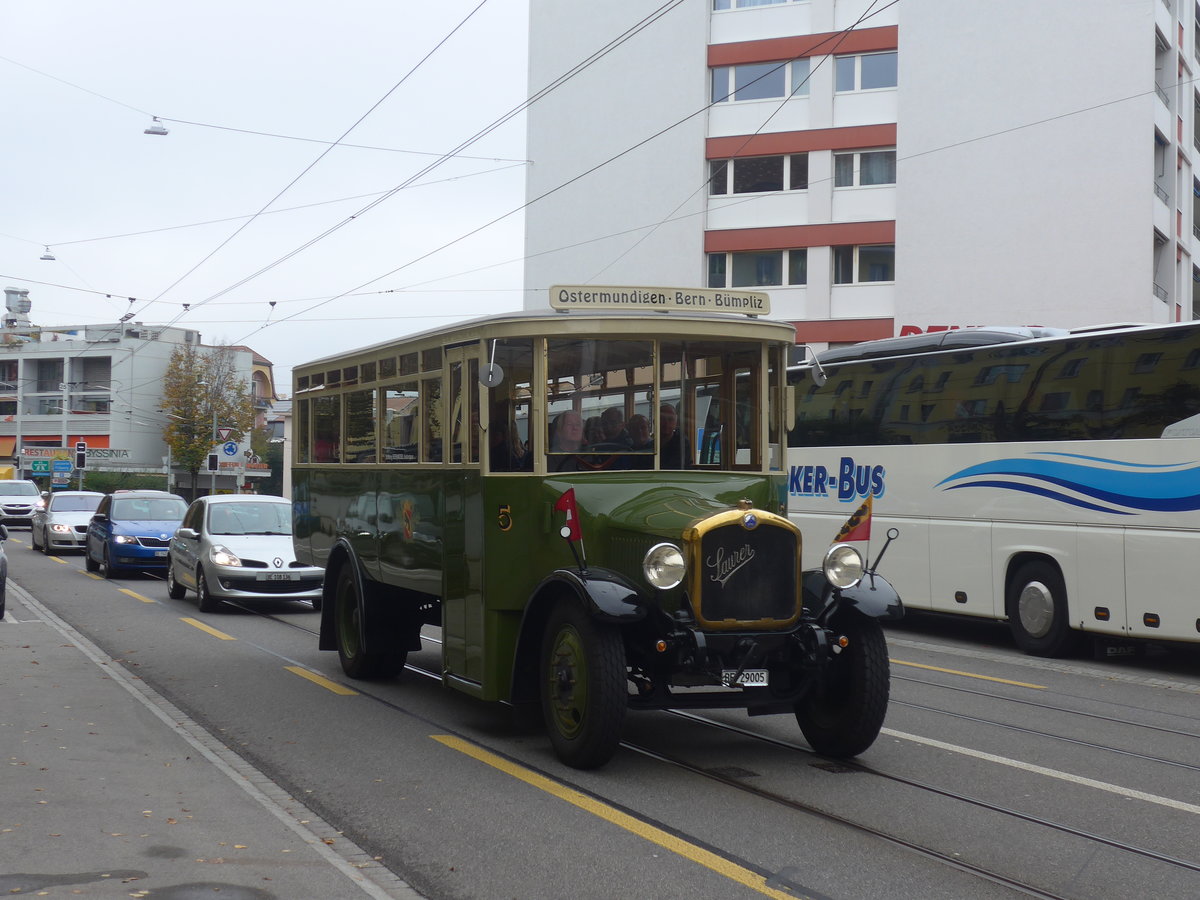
(583, 687)
(843, 716)
(376, 658)
(1036, 605)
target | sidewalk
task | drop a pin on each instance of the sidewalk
(108, 790)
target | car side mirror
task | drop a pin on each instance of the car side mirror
(3, 532)
(100, 517)
(188, 533)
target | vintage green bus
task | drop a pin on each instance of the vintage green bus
(591, 504)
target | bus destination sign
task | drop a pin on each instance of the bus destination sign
(659, 299)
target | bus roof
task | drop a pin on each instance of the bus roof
(968, 338)
(549, 322)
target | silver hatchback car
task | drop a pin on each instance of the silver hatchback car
(62, 524)
(239, 547)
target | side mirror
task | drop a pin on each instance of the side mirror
(187, 533)
(3, 533)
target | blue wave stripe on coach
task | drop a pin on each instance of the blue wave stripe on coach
(1042, 492)
(1145, 487)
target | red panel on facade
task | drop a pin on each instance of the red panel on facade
(843, 331)
(789, 237)
(854, 138)
(866, 40)
(94, 441)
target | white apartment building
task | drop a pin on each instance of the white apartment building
(100, 385)
(879, 168)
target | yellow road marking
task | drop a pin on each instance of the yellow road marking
(59, 559)
(323, 682)
(91, 575)
(205, 628)
(135, 596)
(1036, 687)
(664, 839)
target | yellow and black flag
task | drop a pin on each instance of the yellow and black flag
(858, 526)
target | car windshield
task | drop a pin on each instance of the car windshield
(74, 504)
(18, 489)
(250, 517)
(157, 509)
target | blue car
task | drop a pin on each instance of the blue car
(132, 530)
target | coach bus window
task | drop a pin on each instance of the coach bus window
(401, 433)
(360, 427)
(509, 437)
(431, 420)
(464, 412)
(327, 438)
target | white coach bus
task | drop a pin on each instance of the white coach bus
(1047, 478)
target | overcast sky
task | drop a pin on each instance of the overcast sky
(121, 210)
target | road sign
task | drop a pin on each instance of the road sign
(39, 465)
(61, 465)
(223, 434)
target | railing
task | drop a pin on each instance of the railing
(1160, 292)
(1162, 95)
(1196, 231)
(1162, 195)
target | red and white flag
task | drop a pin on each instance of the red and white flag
(566, 504)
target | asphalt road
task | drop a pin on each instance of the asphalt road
(997, 774)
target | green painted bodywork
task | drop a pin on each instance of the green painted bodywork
(482, 545)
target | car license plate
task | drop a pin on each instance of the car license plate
(160, 553)
(278, 576)
(749, 678)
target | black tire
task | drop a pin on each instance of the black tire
(206, 602)
(379, 657)
(842, 717)
(33, 544)
(107, 565)
(175, 590)
(88, 563)
(1036, 604)
(45, 547)
(3, 591)
(584, 695)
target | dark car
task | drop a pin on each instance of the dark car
(132, 530)
(18, 500)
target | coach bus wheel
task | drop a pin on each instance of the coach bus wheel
(1036, 604)
(377, 658)
(842, 717)
(583, 687)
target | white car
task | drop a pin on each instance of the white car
(239, 547)
(62, 524)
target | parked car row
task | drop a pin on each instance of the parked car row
(224, 547)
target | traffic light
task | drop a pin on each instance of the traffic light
(80, 455)
(213, 464)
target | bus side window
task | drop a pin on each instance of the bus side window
(509, 439)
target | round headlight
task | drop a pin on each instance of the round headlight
(843, 566)
(664, 566)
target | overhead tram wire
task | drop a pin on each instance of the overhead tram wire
(644, 23)
(529, 203)
(328, 149)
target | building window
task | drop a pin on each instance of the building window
(758, 174)
(864, 167)
(866, 72)
(746, 4)
(858, 265)
(759, 268)
(760, 81)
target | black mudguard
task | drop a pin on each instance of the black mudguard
(607, 595)
(874, 596)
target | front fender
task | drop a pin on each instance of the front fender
(874, 596)
(606, 595)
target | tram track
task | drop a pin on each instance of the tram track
(734, 783)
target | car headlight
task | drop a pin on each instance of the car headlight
(124, 539)
(843, 566)
(223, 556)
(58, 528)
(664, 566)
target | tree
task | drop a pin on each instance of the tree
(200, 388)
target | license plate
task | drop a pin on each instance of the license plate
(278, 576)
(160, 552)
(749, 678)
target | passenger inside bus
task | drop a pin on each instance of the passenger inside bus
(670, 449)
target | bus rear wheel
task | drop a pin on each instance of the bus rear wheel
(1036, 604)
(583, 687)
(380, 657)
(842, 717)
